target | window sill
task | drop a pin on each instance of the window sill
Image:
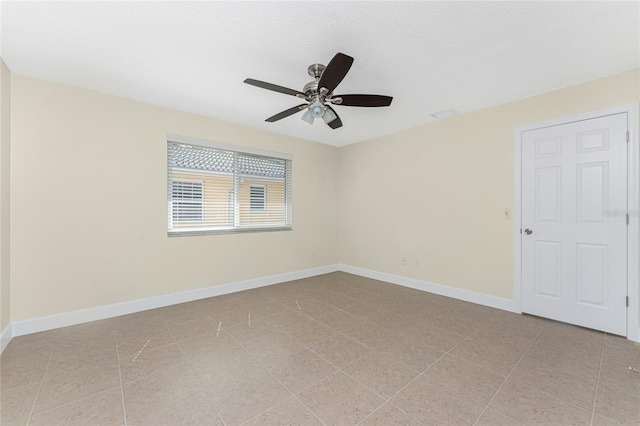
(194, 232)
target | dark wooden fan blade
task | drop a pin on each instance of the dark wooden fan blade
(274, 87)
(335, 71)
(335, 123)
(286, 113)
(365, 100)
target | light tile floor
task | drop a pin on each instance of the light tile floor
(334, 349)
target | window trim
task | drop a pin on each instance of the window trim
(288, 205)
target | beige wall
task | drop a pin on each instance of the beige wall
(5, 174)
(89, 204)
(436, 193)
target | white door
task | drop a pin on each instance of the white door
(574, 203)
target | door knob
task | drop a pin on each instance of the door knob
(528, 231)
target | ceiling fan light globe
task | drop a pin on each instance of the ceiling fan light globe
(308, 117)
(329, 116)
(317, 109)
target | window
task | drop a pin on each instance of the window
(187, 202)
(217, 188)
(257, 198)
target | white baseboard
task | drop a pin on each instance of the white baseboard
(20, 328)
(443, 290)
(5, 337)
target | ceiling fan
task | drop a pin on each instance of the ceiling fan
(319, 96)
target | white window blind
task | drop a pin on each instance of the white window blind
(219, 190)
(187, 200)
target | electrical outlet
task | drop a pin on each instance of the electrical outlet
(403, 260)
(507, 213)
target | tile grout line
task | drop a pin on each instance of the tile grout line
(124, 409)
(261, 365)
(338, 369)
(67, 402)
(308, 346)
(416, 378)
(509, 375)
(341, 370)
(93, 394)
(420, 373)
(41, 382)
(478, 366)
(308, 409)
(555, 397)
(76, 400)
(595, 395)
(192, 368)
(276, 379)
(386, 400)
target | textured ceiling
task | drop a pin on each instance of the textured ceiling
(431, 56)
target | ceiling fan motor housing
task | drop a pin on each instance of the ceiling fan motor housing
(311, 88)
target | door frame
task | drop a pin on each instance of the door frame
(633, 290)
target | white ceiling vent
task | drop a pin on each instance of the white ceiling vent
(444, 114)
